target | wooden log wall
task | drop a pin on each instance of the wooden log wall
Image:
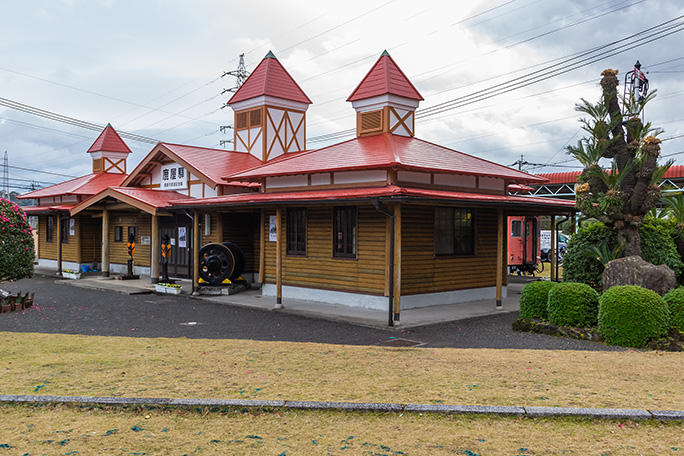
(91, 238)
(118, 251)
(423, 272)
(365, 274)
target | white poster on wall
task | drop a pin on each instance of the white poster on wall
(173, 177)
(273, 228)
(72, 227)
(181, 237)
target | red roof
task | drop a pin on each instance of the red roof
(568, 177)
(109, 141)
(270, 78)
(37, 209)
(145, 199)
(85, 185)
(367, 193)
(385, 78)
(385, 151)
(213, 163)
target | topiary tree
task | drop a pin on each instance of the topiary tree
(630, 316)
(675, 302)
(622, 196)
(533, 299)
(573, 304)
(16, 243)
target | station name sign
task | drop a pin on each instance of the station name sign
(173, 177)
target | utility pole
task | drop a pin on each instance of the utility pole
(5, 178)
(240, 75)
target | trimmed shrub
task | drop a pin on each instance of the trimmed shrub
(630, 316)
(533, 299)
(657, 247)
(675, 302)
(16, 243)
(578, 266)
(573, 304)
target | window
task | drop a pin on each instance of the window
(118, 234)
(64, 230)
(50, 231)
(296, 231)
(132, 231)
(454, 231)
(516, 228)
(344, 232)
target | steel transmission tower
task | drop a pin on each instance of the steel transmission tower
(240, 77)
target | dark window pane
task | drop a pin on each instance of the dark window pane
(344, 232)
(296, 231)
(454, 231)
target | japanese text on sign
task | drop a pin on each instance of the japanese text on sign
(173, 177)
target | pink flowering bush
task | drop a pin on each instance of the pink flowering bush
(16, 243)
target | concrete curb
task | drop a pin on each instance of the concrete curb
(532, 412)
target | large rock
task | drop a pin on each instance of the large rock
(634, 270)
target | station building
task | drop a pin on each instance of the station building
(383, 221)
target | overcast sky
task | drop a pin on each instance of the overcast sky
(154, 68)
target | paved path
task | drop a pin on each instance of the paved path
(70, 310)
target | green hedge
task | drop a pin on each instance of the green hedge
(573, 304)
(533, 299)
(657, 247)
(675, 302)
(630, 316)
(16, 243)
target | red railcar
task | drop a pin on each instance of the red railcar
(524, 246)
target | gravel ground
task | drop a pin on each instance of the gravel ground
(70, 310)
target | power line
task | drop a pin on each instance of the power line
(70, 120)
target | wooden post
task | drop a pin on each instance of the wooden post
(552, 253)
(59, 244)
(262, 247)
(279, 258)
(499, 259)
(155, 249)
(397, 261)
(105, 242)
(194, 251)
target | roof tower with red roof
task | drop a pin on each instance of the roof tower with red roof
(385, 101)
(109, 152)
(270, 112)
(271, 79)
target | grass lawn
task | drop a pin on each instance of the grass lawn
(243, 369)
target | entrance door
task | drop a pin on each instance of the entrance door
(531, 241)
(180, 233)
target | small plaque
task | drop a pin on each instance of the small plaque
(144, 240)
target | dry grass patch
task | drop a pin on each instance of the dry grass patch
(96, 431)
(241, 369)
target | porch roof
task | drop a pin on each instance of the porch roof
(89, 184)
(388, 193)
(146, 199)
(34, 210)
(385, 151)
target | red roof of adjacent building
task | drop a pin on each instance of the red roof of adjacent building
(375, 192)
(385, 78)
(85, 185)
(384, 151)
(270, 78)
(109, 141)
(570, 177)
